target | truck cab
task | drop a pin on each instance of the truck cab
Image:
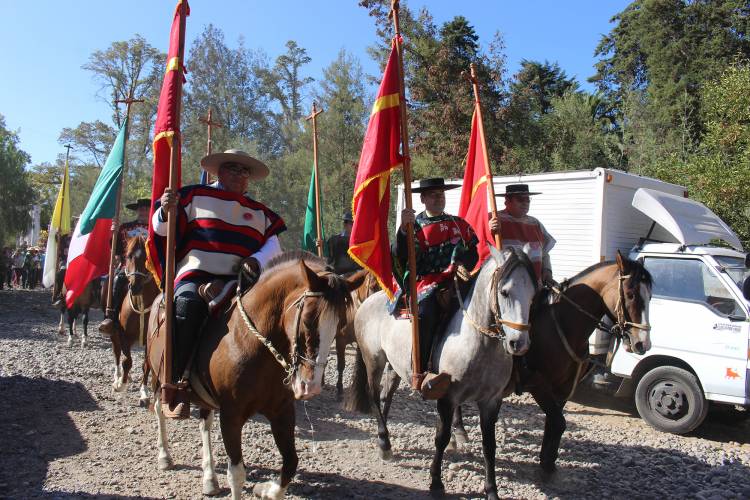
(699, 316)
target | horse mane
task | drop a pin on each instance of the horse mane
(293, 256)
(136, 241)
(523, 260)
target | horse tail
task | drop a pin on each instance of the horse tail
(358, 396)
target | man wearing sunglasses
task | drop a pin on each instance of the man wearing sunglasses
(220, 230)
(520, 230)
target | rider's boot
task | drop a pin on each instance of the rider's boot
(111, 316)
(431, 385)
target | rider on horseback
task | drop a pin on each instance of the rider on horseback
(444, 244)
(220, 230)
(132, 229)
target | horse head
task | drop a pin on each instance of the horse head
(313, 313)
(631, 304)
(135, 264)
(512, 289)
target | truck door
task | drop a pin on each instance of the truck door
(696, 318)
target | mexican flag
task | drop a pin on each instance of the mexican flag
(89, 253)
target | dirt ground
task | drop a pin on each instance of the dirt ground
(64, 433)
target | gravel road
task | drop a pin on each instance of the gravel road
(65, 434)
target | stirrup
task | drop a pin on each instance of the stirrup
(175, 400)
(434, 386)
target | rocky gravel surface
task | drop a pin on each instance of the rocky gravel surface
(65, 434)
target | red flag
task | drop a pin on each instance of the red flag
(167, 127)
(473, 205)
(368, 243)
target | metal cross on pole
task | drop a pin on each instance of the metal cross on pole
(318, 225)
(209, 145)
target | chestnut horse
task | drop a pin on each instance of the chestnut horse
(269, 350)
(562, 321)
(142, 290)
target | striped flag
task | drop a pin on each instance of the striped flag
(90, 247)
(310, 232)
(368, 244)
(59, 226)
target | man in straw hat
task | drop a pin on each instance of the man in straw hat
(338, 244)
(522, 231)
(128, 230)
(444, 244)
(220, 230)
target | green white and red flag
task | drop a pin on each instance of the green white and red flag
(381, 155)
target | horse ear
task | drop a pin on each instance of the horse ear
(620, 262)
(314, 282)
(355, 280)
(496, 254)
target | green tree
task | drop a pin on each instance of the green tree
(15, 190)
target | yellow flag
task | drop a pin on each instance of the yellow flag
(58, 226)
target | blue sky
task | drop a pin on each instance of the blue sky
(45, 43)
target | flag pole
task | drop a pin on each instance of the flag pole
(472, 77)
(416, 362)
(58, 235)
(171, 213)
(318, 224)
(209, 144)
(116, 219)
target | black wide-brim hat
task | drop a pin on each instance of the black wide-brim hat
(211, 163)
(432, 184)
(512, 189)
(142, 202)
(347, 216)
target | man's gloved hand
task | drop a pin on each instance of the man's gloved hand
(463, 273)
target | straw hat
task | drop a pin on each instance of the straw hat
(212, 162)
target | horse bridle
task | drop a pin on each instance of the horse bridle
(495, 330)
(297, 359)
(141, 312)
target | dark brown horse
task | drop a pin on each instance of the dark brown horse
(134, 313)
(269, 350)
(562, 320)
(83, 303)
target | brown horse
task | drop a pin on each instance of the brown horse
(562, 320)
(81, 306)
(269, 350)
(134, 312)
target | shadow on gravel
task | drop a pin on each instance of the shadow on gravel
(35, 429)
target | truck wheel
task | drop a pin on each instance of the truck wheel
(671, 400)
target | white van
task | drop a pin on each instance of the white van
(699, 316)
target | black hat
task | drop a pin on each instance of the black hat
(347, 216)
(142, 202)
(512, 189)
(433, 183)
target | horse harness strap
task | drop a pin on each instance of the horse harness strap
(135, 305)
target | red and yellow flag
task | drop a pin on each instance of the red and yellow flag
(473, 205)
(368, 243)
(166, 128)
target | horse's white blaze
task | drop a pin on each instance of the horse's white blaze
(236, 479)
(327, 326)
(644, 336)
(270, 490)
(210, 482)
(515, 308)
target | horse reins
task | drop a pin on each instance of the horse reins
(141, 312)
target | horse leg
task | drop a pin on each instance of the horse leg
(127, 363)
(164, 460)
(210, 481)
(85, 328)
(116, 350)
(374, 376)
(340, 364)
(61, 326)
(71, 328)
(231, 433)
(391, 384)
(144, 399)
(283, 434)
(459, 438)
(442, 436)
(488, 412)
(554, 426)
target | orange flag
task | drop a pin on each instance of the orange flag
(167, 126)
(473, 205)
(368, 243)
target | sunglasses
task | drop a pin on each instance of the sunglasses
(236, 169)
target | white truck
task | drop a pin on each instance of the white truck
(700, 306)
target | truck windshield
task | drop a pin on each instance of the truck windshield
(734, 267)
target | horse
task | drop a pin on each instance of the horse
(81, 306)
(269, 349)
(562, 319)
(142, 290)
(476, 350)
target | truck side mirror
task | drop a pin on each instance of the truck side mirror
(747, 260)
(746, 288)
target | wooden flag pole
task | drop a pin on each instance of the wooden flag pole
(318, 223)
(209, 145)
(487, 168)
(59, 236)
(416, 362)
(171, 213)
(116, 219)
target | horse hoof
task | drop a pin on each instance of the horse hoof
(452, 445)
(548, 472)
(461, 438)
(143, 402)
(269, 490)
(70, 342)
(385, 455)
(437, 488)
(165, 463)
(492, 495)
(211, 487)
